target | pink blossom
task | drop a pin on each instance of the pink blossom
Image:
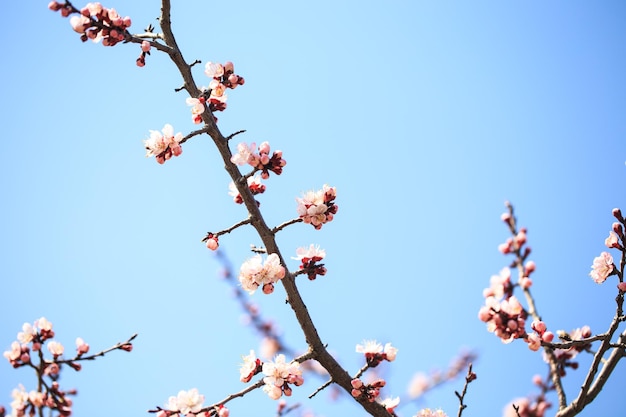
(311, 253)
(279, 374)
(81, 346)
(254, 273)
(27, 334)
(612, 241)
(245, 155)
(534, 341)
(249, 367)
(213, 69)
(145, 46)
(55, 348)
(162, 145)
(15, 352)
(197, 108)
(80, 23)
(20, 400)
(602, 267)
(499, 284)
(317, 207)
(621, 286)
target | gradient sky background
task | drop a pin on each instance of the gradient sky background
(426, 116)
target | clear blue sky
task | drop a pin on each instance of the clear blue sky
(426, 116)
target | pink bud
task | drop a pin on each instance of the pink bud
(229, 67)
(268, 288)
(356, 383)
(212, 243)
(25, 357)
(145, 46)
(241, 81)
(618, 214)
(54, 6)
(622, 286)
(530, 267)
(538, 326)
(264, 148)
(127, 21)
(617, 228)
(233, 79)
(525, 283)
(547, 337)
(176, 149)
(537, 380)
(505, 217)
(355, 393)
(141, 62)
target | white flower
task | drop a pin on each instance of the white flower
(369, 346)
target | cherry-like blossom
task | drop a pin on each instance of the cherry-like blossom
(27, 334)
(250, 367)
(162, 145)
(602, 267)
(279, 374)
(81, 346)
(318, 207)
(375, 352)
(186, 402)
(197, 108)
(255, 273)
(56, 348)
(309, 258)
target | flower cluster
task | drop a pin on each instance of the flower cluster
(214, 97)
(318, 207)
(309, 258)
(279, 375)
(29, 403)
(254, 273)
(375, 353)
(95, 22)
(505, 318)
(504, 314)
(261, 160)
(541, 335)
(31, 339)
(367, 392)
(163, 145)
(254, 185)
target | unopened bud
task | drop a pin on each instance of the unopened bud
(618, 214)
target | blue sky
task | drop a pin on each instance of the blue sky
(426, 116)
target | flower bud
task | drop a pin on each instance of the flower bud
(617, 213)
